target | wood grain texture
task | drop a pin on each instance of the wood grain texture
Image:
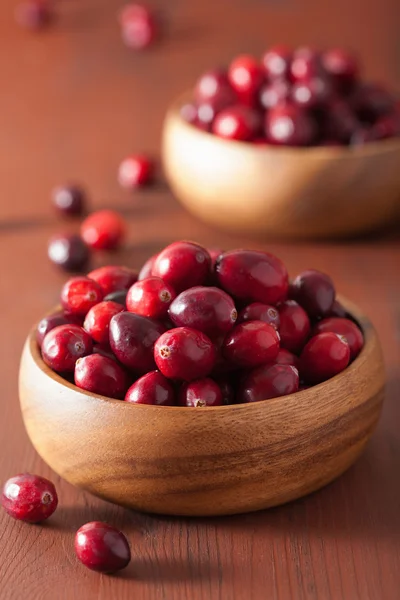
(74, 101)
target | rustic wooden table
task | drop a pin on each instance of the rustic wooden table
(73, 101)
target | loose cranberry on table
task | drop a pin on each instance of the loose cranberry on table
(269, 381)
(276, 62)
(153, 388)
(69, 252)
(147, 269)
(237, 122)
(69, 200)
(63, 345)
(33, 14)
(257, 311)
(79, 294)
(48, 323)
(246, 75)
(150, 297)
(114, 278)
(135, 171)
(290, 125)
(182, 265)
(103, 230)
(251, 344)
(29, 498)
(325, 355)
(102, 548)
(314, 291)
(97, 320)
(346, 329)
(100, 375)
(294, 326)
(139, 26)
(200, 393)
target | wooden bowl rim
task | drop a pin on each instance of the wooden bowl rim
(316, 152)
(362, 320)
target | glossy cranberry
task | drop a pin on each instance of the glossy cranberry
(63, 345)
(184, 354)
(341, 66)
(273, 94)
(284, 357)
(114, 278)
(29, 498)
(208, 309)
(188, 112)
(79, 294)
(338, 310)
(245, 75)
(153, 388)
(314, 291)
(214, 88)
(132, 340)
(69, 200)
(100, 375)
(371, 100)
(150, 297)
(200, 393)
(269, 381)
(256, 311)
(312, 93)
(135, 171)
(325, 355)
(139, 26)
(339, 121)
(306, 64)
(276, 62)
(101, 547)
(48, 323)
(346, 329)
(33, 14)
(69, 252)
(97, 320)
(289, 125)
(103, 230)
(182, 265)
(252, 276)
(294, 327)
(251, 344)
(147, 269)
(237, 122)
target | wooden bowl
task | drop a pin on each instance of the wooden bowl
(290, 192)
(208, 461)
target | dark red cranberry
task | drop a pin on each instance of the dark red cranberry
(386, 127)
(312, 93)
(119, 297)
(372, 100)
(182, 265)
(252, 276)
(68, 252)
(188, 112)
(184, 354)
(48, 323)
(214, 88)
(114, 278)
(139, 26)
(294, 327)
(200, 393)
(274, 93)
(225, 384)
(63, 345)
(100, 375)
(206, 114)
(147, 269)
(132, 340)
(284, 357)
(104, 351)
(237, 122)
(103, 230)
(251, 344)
(341, 66)
(207, 309)
(101, 547)
(153, 388)
(97, 320)
(363, 135)
(338, 310)
(289, 125)
(260, 312)
(276, 62)
(314, 291)
(306, 64)
(246, 76)
(135, 171)
(79, 294)
(269, 381)
(325, 355)
(69, 199)
(33, 14)
(29, 498)
(339, 121)
(150, 297)
(346, 329)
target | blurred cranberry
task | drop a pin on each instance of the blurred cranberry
(272, 94)
(276, 62)
(246, 76)
(69, 200)
(290, 125)
(306, 64)
(206, 114)
(135, 171)
(372, 100)
(139, 27)
(214, 88)
(312, 93)
(339, 121)
(103, 230)
(363, 135)
(69, 252)
(237, 123)
(188, 112)
(33, 14)
(341, 66)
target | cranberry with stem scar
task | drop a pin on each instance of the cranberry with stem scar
(153, 388)
(102, 548)
(346, 329)
(182, 265)
(150, 297)
(29, 498)
(257, 311)
(251, 344)
(79, 294)
(201, 393)
(63, 345)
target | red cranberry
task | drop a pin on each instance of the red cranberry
(289, 125)
(69, 199)
(200, 393)
(260, 312)
(371, 100)
(206, 114)
(346, 329)
(49, 323)
(182, 265)
(113, 278)
(314, 291)
(207, 309)
(272, 94)
(252, 276)
(153, 388)
(324, 356)
(147, 269)
(100, 375)
(306, 64)
(188, 112)
(214, 88)
(246, 76)
(132, 340)
(237, 123)
(97, 320)
(104, 351)
(295, 326)
(225, 384)
(79, 294)
(139, 27)
(284, 357)
(339, 122)
(312, 93)
(63, 345)
(103, 230)
(119, 297)
(341, 66)
(150, 297)
(251, 344)
(269, 381)
(101, 547)
(33, 14)
(135, 171)
(184, 354)
(338, 310)
(276, 62)
(68, 252)
(29, 498)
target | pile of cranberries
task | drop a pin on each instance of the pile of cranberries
(197, 328)
(303, 97)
